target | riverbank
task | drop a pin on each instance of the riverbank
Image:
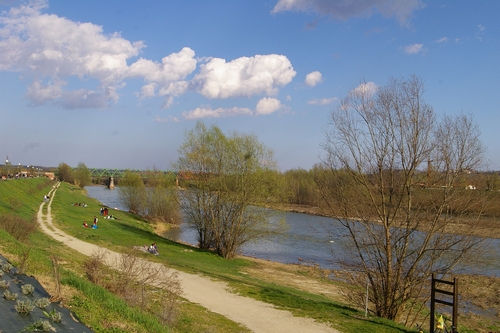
(487, 227)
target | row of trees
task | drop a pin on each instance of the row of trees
(80, 176)
(156, 199)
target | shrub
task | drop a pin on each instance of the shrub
(94, 266)
(6, 267)
(39, 325)
(27, 289)
(24, 307)
(42, 303)
(4, 284)
(9, 296)
(18, 227)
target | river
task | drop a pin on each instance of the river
(308, 239)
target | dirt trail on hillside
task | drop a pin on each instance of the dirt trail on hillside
(257, 316)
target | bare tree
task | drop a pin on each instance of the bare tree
(226, 174)
(396, 181)
(133, 192)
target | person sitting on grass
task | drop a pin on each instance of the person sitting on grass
(94, 226)
(152, 249)
(85, 225)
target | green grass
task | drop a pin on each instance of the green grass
(129, 231)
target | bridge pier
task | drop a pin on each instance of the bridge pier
(111, 183)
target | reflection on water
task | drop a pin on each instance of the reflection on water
(308, 239)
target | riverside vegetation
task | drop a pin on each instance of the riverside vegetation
(303, 290)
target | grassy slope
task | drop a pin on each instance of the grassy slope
(129, 231)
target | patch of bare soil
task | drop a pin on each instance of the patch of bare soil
(479, 301)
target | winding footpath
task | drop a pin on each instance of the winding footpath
(257, 316)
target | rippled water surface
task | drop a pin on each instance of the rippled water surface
(308, 238)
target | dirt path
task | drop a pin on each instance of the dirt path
(214, 296)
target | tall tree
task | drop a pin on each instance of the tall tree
(226, 174)
(397, 184)
(81, 175)
(64, 173)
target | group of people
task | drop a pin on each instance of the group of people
(85, 225)
(94, 225)
(104, 211)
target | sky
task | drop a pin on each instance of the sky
(117, 84)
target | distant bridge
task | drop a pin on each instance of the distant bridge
(119, 173)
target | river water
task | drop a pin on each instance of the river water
(308, 239)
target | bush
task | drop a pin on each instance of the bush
(18, 227)
(42, 303)
(27, 289)
(94, 267)
(9, 296)
(24, 307)
(6, 267)
(39, 325)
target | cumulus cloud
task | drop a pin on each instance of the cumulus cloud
(365, 88)
(322, 101)
(414, 48)
(167, 76)
(245, 76)
(53, 51)
(345, 9)
(267, 105)
(207, 112)
(51, 48)
(313, 78)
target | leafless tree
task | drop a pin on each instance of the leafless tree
(395, 177)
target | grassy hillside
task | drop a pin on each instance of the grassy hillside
(104, 312)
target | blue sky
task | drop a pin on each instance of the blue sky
(116, 84)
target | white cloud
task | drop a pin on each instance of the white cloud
(207, 112)
(365, 88)
(414, 48)
(173, 67)
(322, 101)
(147, 91)
(313, 78)
(442, 40)
(267, 105)
(52, 48)
(345, 9)
(245, 76)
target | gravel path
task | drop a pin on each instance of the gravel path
(257, 316)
